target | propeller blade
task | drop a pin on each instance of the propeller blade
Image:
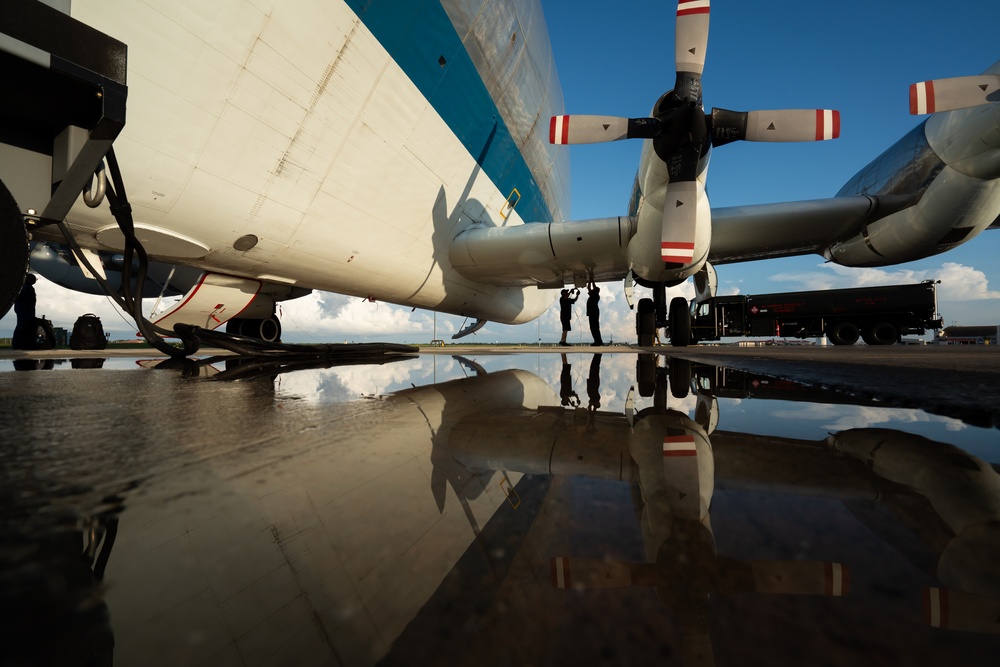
(774, 125)
(597, 129)
(956, 93)
(793, 125)
(691, 35)
(680, 222)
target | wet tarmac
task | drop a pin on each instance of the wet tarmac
(504, 507)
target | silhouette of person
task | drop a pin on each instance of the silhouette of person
(594, 312)
(566, 301)
(25, 331)
(594, 384)
(566, 393)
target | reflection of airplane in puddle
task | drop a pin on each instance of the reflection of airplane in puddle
(669, 459)
(341, 535)
(894, 482)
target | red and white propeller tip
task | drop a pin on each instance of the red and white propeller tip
(959, 92)
(793, 125)
(691, 35)
(582, 129)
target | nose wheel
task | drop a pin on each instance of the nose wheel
(13, 250)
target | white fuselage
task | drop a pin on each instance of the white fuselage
(295, 124)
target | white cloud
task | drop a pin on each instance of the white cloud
(837, 418)
(323, 314)
(343, 383)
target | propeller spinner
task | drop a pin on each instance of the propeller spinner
(682, 134)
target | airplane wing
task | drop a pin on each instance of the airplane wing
(764, 231)
(553, 254)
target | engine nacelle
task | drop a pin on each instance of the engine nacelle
(645, 247)
(968, 140)
(953, 210)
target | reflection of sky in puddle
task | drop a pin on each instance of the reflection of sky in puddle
(794, 419)
(69, 363)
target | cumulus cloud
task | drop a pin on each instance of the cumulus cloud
(837, 418)
(323, 314)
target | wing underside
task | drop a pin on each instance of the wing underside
(764, 231)
(551, 255)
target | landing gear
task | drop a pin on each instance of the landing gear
(654, 313)
(268, 329)
(651, 315)
(13, 250)
(645, 322)
(680, 322)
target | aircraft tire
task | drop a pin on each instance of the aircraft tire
(645, 373)
(881, 333)
(645, 322)
(680, 322)
(680, 377)
(843, 333)
(13, 250)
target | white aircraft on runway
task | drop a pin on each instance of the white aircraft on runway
(404, 152)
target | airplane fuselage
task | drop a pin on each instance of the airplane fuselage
(345, 152)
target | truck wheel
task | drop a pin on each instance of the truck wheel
(881, 333)
(645, 322)
(843, 333)
(13, 250)
(680, 322)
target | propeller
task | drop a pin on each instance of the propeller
(682, 133)
(959, 92)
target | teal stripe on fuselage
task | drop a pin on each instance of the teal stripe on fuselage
(417, 34)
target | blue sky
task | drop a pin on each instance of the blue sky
(858, 57)
(617, 58)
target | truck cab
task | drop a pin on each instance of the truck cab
(719, 316)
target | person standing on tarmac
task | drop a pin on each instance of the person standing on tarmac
(594, 312)
(566, 301)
